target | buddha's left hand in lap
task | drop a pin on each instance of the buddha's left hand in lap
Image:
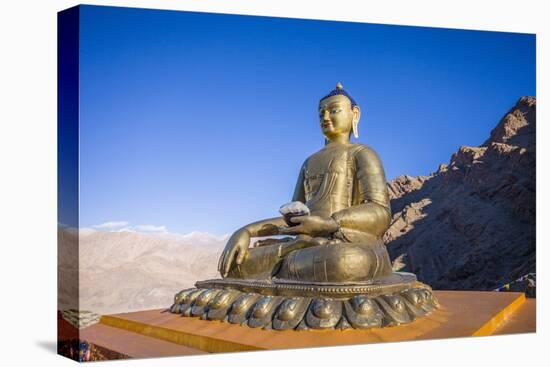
(311, 225)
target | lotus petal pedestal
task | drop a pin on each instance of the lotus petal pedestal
(283, 305)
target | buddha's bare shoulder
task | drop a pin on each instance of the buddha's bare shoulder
(362, 150)
(365, 155)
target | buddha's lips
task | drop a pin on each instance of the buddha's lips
(326, 125)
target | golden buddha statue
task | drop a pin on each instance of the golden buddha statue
(344, 187)
(327, 267)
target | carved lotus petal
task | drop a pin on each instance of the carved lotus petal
(363, 305)
(323, 309)
(204, 297)
(288, 310)
(221, 300)
(238, 307)
(262, 307)
(414, 296)
(426, 295)
(241, 304)
(396, 303)
(181, 297)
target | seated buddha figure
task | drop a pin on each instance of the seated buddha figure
(339, 240)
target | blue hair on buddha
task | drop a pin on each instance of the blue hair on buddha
(339, 91)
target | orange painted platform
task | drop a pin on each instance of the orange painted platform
(461, 314)
(133, 345)
(524, 320)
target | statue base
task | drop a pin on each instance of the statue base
(155, 333)
(283, 305)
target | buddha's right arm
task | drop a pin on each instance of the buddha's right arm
(266, 227)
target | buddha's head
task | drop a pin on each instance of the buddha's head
(339, 114)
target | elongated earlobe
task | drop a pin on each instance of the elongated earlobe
(355, 121)
(354, 129)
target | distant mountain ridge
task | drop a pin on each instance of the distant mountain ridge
(471, 224)
(126, 271)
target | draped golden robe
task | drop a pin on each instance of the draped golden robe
(345, 182)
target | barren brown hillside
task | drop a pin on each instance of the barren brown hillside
(471, 224)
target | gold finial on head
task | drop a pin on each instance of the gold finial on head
(339, 86)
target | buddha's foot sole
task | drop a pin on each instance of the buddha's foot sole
(249, 307)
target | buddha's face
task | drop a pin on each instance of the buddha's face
(337, 117)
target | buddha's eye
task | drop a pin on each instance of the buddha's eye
(335, 110)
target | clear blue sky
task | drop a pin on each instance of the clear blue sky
(201, 121)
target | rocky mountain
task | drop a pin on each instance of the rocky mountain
(130, 271)
(471, 224)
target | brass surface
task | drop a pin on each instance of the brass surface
(395, 282)
(255, 307)
(328, 266)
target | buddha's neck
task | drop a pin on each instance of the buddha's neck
(341, 139)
